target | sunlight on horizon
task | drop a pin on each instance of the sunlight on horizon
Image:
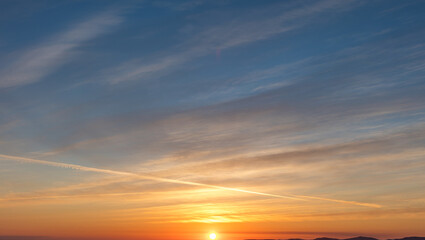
(212, 236)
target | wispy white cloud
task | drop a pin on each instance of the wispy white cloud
(232, 34)
(42, 59)
(168, 180)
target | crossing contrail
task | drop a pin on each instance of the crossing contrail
(161, 179)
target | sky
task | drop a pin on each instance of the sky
(170, 120)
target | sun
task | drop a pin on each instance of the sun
(213, 236)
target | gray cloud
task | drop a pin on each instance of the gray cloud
(227, 35)
(36, 63)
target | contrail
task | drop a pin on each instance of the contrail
(160, 179)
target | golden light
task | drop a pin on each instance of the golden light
(213, 236)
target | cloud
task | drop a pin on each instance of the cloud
(168, 180)
(227, 35)
(352, 86)
(384, 144)
(39, 61)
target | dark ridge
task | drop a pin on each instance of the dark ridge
(361, 238)
(354, 238)
(24, 238)
(409, 238)
(262, 239)
(326, 238)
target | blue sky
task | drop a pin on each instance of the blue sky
(294, 96)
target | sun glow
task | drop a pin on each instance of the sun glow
(213, 236)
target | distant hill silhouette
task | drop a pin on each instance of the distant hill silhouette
(354, 238)
(409, 238)
(326, 238)
(361, 238)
